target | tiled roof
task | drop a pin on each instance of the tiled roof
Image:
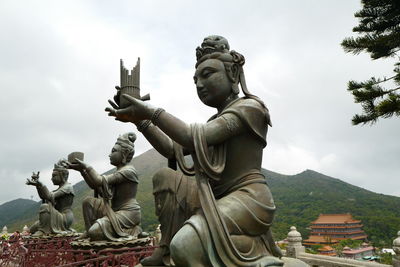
(320, 239)
(325, 248)
(356, 251)
(335, 218)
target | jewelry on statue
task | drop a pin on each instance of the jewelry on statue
(143, 125)
(156, 114)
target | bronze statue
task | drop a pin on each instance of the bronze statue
(55, 214)
(116, 215)
(223, 216)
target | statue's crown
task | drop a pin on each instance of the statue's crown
(60, 165)
(127, 139)
(212, 44)
(217, 47)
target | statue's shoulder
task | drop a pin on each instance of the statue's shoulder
(247, 103)
(67, 188)
(129, 172)
(253, 114)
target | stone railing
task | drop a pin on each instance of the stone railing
(396, 248)
(328, 261)
(295, 249)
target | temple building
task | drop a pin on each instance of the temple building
(327, 251)
(359, 253)
(331, 228)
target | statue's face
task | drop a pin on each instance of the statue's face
(212, 83)
(56, 177)
(116, 156)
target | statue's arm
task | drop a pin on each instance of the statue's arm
(216, 131)
(176, 129)
(88, 179)
(92, 178)
(172, 126)
(44, 193)
(158, 139)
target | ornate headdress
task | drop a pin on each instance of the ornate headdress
(127, 140)
(61, 167)
(217, 47)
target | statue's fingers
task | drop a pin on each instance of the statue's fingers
(117, 87)
(111, 111)
(130, 98)
(112, 103)
(38, 173)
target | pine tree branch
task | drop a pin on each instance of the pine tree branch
(379, 35)
(384, 80)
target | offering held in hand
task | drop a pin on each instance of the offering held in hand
(75, 155)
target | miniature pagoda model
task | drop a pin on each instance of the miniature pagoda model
(331, 228)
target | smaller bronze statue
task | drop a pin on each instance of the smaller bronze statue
(116, 215)
(55, 214)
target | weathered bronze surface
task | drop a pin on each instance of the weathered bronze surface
(222, 217)
(115, 214)
(55, 214)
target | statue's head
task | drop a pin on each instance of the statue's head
(218, 71)
(60, 173)
(123, 150)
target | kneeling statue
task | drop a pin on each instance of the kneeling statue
(222, 216)
(116, 215)
(55, 214)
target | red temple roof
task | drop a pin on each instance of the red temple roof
(335, 219)
(320, 239)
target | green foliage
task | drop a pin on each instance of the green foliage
(386, 258)
(316, 247)
(311, 251)
(379, 27)
(347, 243)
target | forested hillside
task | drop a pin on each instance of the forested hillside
(299, 199)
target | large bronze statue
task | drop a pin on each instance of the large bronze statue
(223, 216)
(116, 215)
(55, 214)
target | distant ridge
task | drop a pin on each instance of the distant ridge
(299, 198)
(14, 210)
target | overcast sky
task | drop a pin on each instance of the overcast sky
(59, 63)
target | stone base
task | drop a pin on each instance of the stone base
(52, 236)
(291, 262)
(99, 245)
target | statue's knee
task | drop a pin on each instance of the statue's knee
(95, 232)
(186, 248)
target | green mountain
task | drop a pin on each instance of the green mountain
(299, 199)
(11, 211)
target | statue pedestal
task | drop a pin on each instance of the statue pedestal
(99, 245)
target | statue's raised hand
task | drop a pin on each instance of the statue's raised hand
(137, 110)
(34, 179)
(77, 165)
